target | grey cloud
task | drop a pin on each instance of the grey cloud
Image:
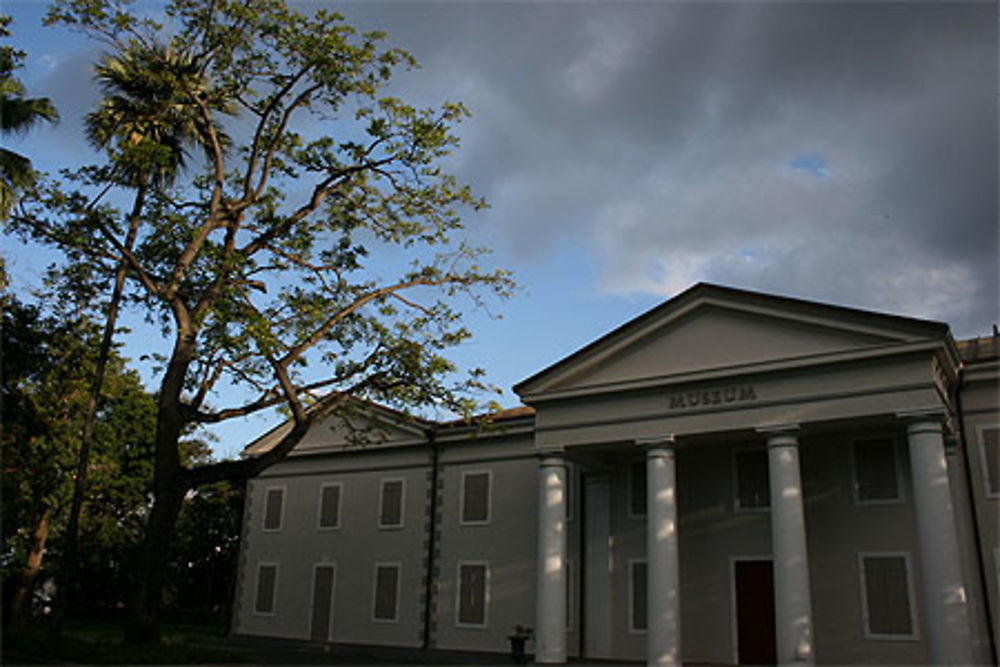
(659, 136)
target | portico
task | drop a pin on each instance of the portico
(715, 390)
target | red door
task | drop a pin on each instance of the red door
(755, 612)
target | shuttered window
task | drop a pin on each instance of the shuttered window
(476, 497)
(385, 606)
(875, 471)
(886, 592)
(472, 594)
(267, 583)
(274, 500)
(990, 443)
(329, 506)
(390, 513)
(752, 482)
(637, 487)
(637, 596)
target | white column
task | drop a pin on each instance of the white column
(550, 600)
(597, 586)
(663, 595)
(941, 571)
(792, 602)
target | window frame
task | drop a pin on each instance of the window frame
(914, 634)
(340, 505)
(398, 566)
(486, 594)
(402, 503)
(737, 505)
(274, 589)
(896, 460)
(632, 629)
(281, 515)
(489, 498)
(984, 460)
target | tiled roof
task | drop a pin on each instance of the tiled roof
(983, 348)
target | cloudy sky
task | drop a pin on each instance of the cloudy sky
(843, 152)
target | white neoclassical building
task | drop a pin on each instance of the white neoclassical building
(730, 478)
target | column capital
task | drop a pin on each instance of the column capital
(782, 435)
(923, 417)
(779, 429)
(668, 442)
(551, 456)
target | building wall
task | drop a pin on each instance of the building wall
(353, 548)
(980, 403)
(507, 543)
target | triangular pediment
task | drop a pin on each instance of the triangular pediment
(361, 424)
(712, 329)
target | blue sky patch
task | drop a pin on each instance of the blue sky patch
(811, 163)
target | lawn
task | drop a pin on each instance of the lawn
(99, 642)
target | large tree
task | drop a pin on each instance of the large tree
(314, 257)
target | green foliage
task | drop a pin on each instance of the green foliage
(203, 563)
(316, 223)
(47, 365)
(18, 114)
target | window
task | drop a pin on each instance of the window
(476, 497)
(887, 596)
(473, 592)
(267, 585)
(637, 488)
(329, 505)
(989, 445)
(390, 506)
(876, 476)
(637, 609)
(274, 507)
(385, 606)
(752, 483)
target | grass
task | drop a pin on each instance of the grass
(99, 643)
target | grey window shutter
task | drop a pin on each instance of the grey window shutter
(267, 576)
(272, 508)
(329, 511)
(476, 496)
(472, 595)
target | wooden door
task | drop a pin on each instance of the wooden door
(755, 612)
(322, 603)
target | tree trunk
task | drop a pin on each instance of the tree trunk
(21, 603)
(143, 621)
(170, 483)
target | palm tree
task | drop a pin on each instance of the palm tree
(151, 113)
(18, 114)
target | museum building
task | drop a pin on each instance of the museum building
(730, 478)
